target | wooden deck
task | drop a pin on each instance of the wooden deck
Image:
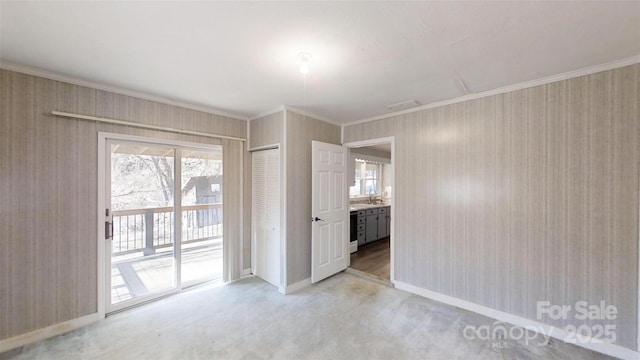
(135, 275)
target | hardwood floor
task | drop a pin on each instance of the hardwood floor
(374, 258)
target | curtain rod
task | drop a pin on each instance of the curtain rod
(144, 126)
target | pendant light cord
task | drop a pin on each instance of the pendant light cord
(304, 96)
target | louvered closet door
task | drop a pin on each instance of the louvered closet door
(265, 215)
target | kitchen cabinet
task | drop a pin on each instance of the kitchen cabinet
(383, 227)
(360, 224)
(371, 227)
(373, 224)
(389, 222)
(361, 234)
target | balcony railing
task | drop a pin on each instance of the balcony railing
(147, 230)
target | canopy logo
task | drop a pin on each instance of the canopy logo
(589, 326)
(498, 333)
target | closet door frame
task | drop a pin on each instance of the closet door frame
(273, 257)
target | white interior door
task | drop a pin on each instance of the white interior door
(329, 210)
(265, 215)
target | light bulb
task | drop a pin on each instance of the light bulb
(304, 62)
(304, 68)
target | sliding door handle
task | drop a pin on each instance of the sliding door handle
(108, 230)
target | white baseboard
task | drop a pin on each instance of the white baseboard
(555, 332)
(47, 332)
(295, 287)
(246, 272)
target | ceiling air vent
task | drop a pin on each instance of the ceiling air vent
(403, 105)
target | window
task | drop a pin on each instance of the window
(367, 178)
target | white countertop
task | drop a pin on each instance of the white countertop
(356, 207)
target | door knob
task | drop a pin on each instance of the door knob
(316, 219)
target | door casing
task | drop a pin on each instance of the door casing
(379, 141)
(104, 261)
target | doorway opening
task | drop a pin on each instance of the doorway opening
(370, 186)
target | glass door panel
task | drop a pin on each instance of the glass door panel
(143, 258)
(201, 215)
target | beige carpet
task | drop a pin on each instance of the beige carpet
(344, 317)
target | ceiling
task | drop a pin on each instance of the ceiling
(241, 57)
(385, 148)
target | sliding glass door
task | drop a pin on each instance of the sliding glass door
(201, 216)
(163, 217)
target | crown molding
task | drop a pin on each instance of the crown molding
(276, 110)
(34, 71)
(312, 115)
(11, 66)
(509, 88)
